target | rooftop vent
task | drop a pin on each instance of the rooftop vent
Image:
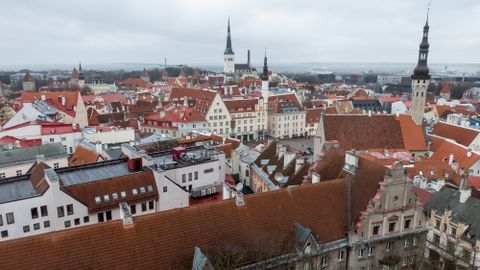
(134, 164)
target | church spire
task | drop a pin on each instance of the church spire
(228, 49)
(265, 67)
(421, 70)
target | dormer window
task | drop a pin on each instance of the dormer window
(98, 200)
(123, 194)
(142, 190)
(134, 191)
(308, 248)
(106, 198)
(115, 196)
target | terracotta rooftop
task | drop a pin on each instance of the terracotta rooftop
(313, 116)
(363, 132)
(54, 99)
(83, 155)
(462, 135)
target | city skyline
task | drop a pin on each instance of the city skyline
(108, 34)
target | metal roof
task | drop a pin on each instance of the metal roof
(29, 155)
(88, 173)
(16, 189)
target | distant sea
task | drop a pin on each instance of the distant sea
(348, 68)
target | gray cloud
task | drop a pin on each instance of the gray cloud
(193, 32)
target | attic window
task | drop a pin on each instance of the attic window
(134, 191)
(115, 196)
(106, 198)
(123, 194)
(142, 190)
(98, 200)
(150, 188)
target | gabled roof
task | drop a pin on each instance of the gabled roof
(54, 99)
(363, 132)
(83, 155)
(143, 182)
(460, 154)
(448, 199)
(156, 240)
(462, 135)
(244, 104)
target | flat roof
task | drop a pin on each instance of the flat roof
(16, 188)
(95, 172)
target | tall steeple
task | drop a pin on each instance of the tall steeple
(228, 55)
(265, 67)
(420, 78)
(421, 70)
(228, 49)
(264, 77)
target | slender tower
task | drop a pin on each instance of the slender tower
(228, 55)
(420, 79)
(264, 78)
(81, 77)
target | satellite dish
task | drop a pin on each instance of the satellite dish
(239, 187)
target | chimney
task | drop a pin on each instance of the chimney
(450, 158)
(98, 148)
(248, 58)
(465, 191)
(351, 162)
(288, 157)
(63, 100)
(281, 150)
(239, 201)
(369, 113)
(43, 97)
(126, 215)
(397, 113)
(298, 164)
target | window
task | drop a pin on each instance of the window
(64, 139)
(466, 254)
(389, 246)
(134, 191)
(123, 194)
(453, 231)
(67, 223)
(2, 175)
(165, 189)
(184, 178)
(97, 199)
(10, 218)
(189, 177)
(86, 219)
(4, 234)
(115, 196)
(150, 188)
(34, 212)
(69, 209)
(406, 242)
(19, 172)
(26, 228)
(56, 165)
(376, 229)
(44, 210)
(76, 221)
(106, 198)
(361, 252)
(144, 206)
(133, 209)
(36, 226)
(371, 250)
(1, 220)
(341, 255)
(414, 241)
(437, 224)
(150, 205)
(100, 217)
(108, 215)
(407, 223)
(52, 140)
(324, 262)
(436, 239)
(46, 224)
(208, 170)
(391, 226)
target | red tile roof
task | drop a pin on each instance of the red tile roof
(313, 116)
(462, 135)
(167, 239)
(363, 132)
(55, 99)
(459, 151)
(24, 143)
(422, 194)
(83, 155)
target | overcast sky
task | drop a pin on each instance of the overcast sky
(193, 31)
